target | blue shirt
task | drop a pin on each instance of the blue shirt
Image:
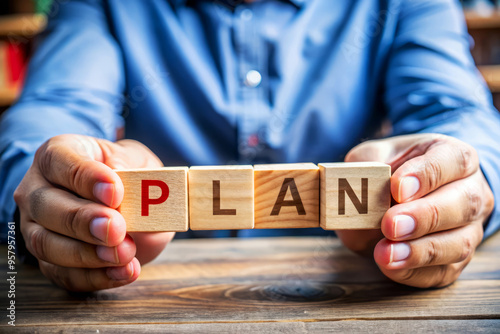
(203, 82)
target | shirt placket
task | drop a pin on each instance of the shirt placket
(252, 76)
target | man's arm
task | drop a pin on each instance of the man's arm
(74, 85)
(69, 193)
(433, 86)
(443, 198)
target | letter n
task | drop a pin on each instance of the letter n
(345, 187)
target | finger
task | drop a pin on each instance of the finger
(64, 213)
(361, 242)
(76, 163)
(394, 151)
(66, 252)
(131, 154)
(150, 245)
(453, 205)
(444, 160)
(432, 250)
(82, 280)
(427, 277)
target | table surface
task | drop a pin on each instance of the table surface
(291, 285)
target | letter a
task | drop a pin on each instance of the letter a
(280, 201)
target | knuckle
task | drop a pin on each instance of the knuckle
(61, 277)
(439, 137)
(53, 273)
(409, 276)
(90, 282)
(480, 233)
(77, 175)
(19, 194)
(77, 257)
(71, 220)
(37, 202)
(39, 244)
(44, 269)
(66, 283)
(45, 156)
(433, 175)
(432, 253)
(466, 158)
(445, 276)
(473, 204)
(434, 217)
(467, 248)
(489, 199)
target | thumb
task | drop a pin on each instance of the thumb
(77, 163)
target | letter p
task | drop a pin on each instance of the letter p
(146, 201)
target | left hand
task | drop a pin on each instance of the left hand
(443, 200)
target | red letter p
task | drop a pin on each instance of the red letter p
(146, 201)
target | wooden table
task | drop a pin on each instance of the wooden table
(289, 285)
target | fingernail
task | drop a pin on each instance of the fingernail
(408, 187)
(108, 254)
(403, 225)
(399, 252)
(121, 273)
(99, 228)
(104, 192)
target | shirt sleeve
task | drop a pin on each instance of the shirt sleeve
(74, 84)
(433, 86)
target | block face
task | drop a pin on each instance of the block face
(155, 200)
(221, 197)
(354, 195)
(286, 196)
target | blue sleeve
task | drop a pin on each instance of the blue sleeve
(74, 84)
(432, 85)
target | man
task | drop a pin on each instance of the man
(214, 82)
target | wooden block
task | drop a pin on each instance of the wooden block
(155, 199)
(286, 195)
(354, 195)
(221, 197)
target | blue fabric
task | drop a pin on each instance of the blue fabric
(173, 74)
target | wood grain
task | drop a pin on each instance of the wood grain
(354, 195)
(286, 195)
(221, 197)
(299, 327)
(169, 215)
(227, 283)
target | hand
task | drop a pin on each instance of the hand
(68, 200)
(443, 199)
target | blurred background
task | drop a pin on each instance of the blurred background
(21, 20)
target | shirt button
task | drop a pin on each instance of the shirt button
(246, 14)
(253, 78)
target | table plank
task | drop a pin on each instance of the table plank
(357, 326)
(289, 280)
(215, 301)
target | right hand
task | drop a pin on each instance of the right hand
(68, 200)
